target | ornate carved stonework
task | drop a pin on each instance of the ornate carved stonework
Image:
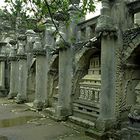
(86, 106)
(137, 91)
(90, 84)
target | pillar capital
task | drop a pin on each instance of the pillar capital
(21, 52)
(12, 55)
(3, 51)
(21, 47)
(50, 32)
(73, 9)
(106, 26)
(30, 37)
(38, 48)
(61, 44)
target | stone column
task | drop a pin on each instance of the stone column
(41, 86)
(22, 71)
(65, 84)
(29, 46)
(2, 68)
(110, 26)
(13, 71)
(49, 46)
(109, 43)
(64, 106)
(30, 34)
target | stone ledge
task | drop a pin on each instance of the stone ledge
(82, 122)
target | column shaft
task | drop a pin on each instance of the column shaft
(13, 79)
(65, 83)
(2, 75)
(108, 61)
(41, 82)
(22, 81)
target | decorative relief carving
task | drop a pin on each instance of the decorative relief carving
(90, 85)
(131, 39)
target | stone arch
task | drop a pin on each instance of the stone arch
(83, 56)
(53, 62)
(82, 60)
(131, 74)
(131, 47)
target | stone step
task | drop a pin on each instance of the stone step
(85, 113)
(82, 122)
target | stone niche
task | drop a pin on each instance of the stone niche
(87, 104)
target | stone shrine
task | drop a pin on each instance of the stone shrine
(87, 104)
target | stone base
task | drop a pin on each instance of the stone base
(62, 113)
(20, 99)
(102, 129)
(39, 105)
(49, 111)
(3, 93)
(104, 125)
(11, 95)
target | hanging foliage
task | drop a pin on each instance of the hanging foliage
(32, 12)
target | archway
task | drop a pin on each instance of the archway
(131, 71)
(86, 85)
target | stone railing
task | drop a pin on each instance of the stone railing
(89, 94)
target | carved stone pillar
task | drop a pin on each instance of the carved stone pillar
(30, 38)
(65, 84)
(41, 80)
(30, 34)
(22, 71)
(2, 68)
(64, 106)
(134, 115)
(50, 47)
(13, 71)
(109, 42)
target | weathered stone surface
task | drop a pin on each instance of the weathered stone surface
(63, 71)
